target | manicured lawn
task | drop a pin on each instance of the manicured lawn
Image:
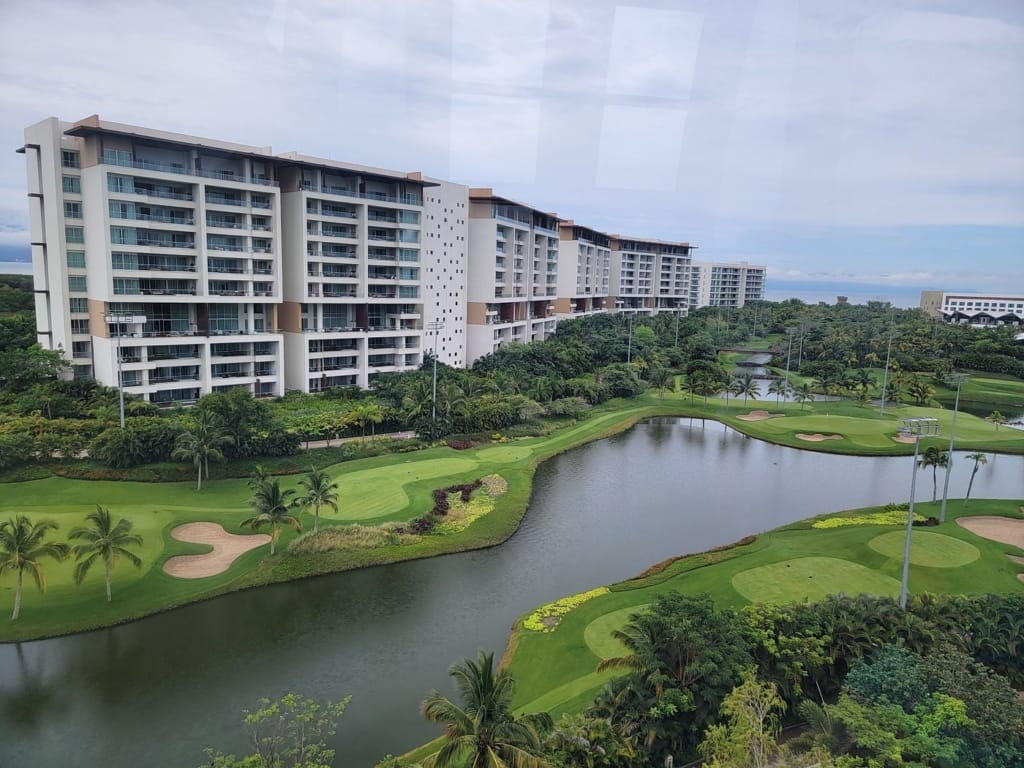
(388, 488)
(556, 671)
(987, 388)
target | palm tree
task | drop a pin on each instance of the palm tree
(320, 491)
(746, 386)
(979, 460)
(104, 541)
(934, 458)
(21, 549)
(780, 388)
(259, 476)
(996, 418)
(804, 394)
(199, 444)
(484, 732)
(273, 507)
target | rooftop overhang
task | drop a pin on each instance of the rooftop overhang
(381, 174)
(92, 126)
(486, 194)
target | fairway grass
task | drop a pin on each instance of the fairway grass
(390, 488)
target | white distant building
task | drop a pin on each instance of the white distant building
(725, 285)
(974, 308)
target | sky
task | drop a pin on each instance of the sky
(872, 148)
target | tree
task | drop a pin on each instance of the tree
(290, 733)
(780, 388)
(320, 491)
(583, 741)
(103, 541)
(804, 394)
(482, 731)
(746, 385)
(684, 657)
(273, 507)
(979, 460)
(200, 443)
(22, 547)
(996, 418)
(934, 458)
(659, 377)
(747, 738)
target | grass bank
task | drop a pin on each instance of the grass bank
(556, 670)
(383, 489)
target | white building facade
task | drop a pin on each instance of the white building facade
(179, 265)
(976, 309)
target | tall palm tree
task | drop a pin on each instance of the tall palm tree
(199, 443)
(273, 507)
(320, 491)
(22, 548)
(804, 394)
(104, 541)
(260, 475)
(979, 460)
(934, 458)
(996, 418)
(482, 731)
(747, 386)
(780, 389)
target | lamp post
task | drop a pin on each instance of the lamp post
(918, 427)
(119, 320)
(885, 376)
(789, 353)
(678, 312)
(629, 340)
(434, 326)
(958, 379)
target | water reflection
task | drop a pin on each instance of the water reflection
(386, 635)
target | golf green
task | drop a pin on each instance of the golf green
(504, 453)
(810, 578)
(598, 634)
(932, 550)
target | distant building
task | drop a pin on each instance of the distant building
(725, 285)
(978, 309)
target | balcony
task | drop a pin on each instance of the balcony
(177, 168)
(161, 242)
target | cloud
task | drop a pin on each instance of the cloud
(746, 127)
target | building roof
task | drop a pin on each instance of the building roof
(93, 124)
(486, 193)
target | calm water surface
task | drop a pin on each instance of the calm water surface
(153, 693)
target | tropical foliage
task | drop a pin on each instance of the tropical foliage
(103, 540)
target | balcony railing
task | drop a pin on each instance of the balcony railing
(149, 165)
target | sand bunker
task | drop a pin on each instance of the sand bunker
(759, 416)
(908, 439)
(1001, 529)
(227, 547)
(817, 437)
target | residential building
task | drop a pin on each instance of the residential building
(584, 271)
(650, 276)
(352, 265)
(735, 284)
(180, 265)
(445, 253)
(976, 309)
(512, 274)
(158, 254)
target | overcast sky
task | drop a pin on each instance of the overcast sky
(874, 146)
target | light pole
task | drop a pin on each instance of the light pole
(885, 376)
(919, 427)
(434, 326)
(678, 312)
(629, 341)
(789, 352)
(119, 320)
(958, 379)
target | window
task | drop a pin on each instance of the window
(80, 326)
(117, 183)
(76, 259)
(123, 236)
(120, 210)
(78, 305)
(71, 185)
(72, 210)
(74, 234)
(69, 158)
(117, 157)
(76, 283)
(81, 348)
